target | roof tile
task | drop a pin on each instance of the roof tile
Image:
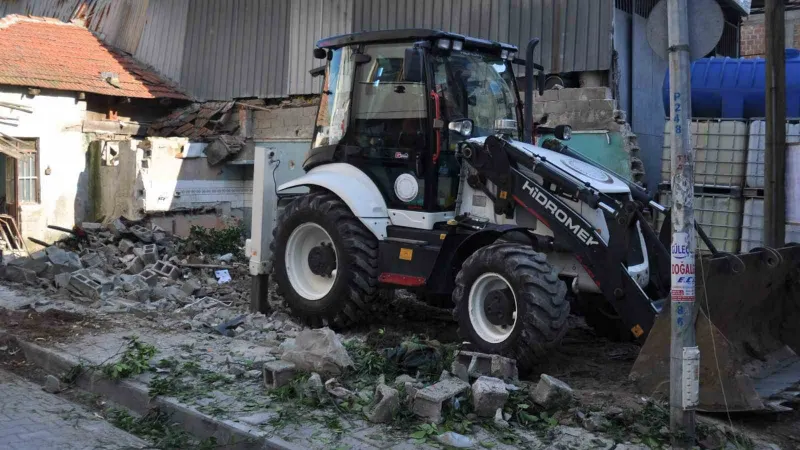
(47, 53)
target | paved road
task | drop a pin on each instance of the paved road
(32, 419)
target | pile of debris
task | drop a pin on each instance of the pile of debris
(138, 268)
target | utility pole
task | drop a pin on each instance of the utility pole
(775, 149)
(684, 356)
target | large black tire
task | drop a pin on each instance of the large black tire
(600, 315)
(356, 283)
(540, 297)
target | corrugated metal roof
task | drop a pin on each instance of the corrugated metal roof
(312, 20)
(575, 34)
(237, 48)
(163, 37)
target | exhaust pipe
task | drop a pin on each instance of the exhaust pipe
(529, 66)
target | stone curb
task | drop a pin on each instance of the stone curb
(134, 395)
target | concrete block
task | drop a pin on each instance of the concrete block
(191, 286)
(488, 395)
(166, 270)
(552, 393)
(62, 279)
(92, 260)
(385, 406)
(428, 401)
(278, 373)
(134, 266)
(117, 227)
(555, 107)
(482, 364)
(603, 105)
(548, 96)
(142, 233)
(149, 254)
(125, 245)
(84, 285)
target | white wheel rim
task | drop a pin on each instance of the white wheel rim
(305, 282)
(480, 290)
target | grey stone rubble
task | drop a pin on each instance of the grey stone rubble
(385, 406)
(552, 393)
(278, 373)
(319, 351)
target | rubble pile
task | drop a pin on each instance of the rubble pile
(134, 267)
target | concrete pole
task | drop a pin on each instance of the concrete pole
(775, 145)
(265, 209)
(682, 419)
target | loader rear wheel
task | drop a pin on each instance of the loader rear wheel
(510, 301)
(325, 261)
(600, 315)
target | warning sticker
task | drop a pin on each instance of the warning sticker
(682, 268)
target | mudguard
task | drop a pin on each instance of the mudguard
(355, 189)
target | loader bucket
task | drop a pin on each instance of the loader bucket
(749, 347)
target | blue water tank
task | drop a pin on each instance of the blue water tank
(734, 88)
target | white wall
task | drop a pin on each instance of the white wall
(56, 122)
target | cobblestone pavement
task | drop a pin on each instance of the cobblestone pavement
(32, 419)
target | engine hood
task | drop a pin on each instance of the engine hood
(600, 179)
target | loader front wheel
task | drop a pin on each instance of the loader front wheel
(510, 301)
(325, 261)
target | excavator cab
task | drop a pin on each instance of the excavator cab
(396, 104)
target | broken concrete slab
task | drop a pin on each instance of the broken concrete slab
(488, 394)
(61, 257)
(191, 286)
(91, 226)
(428, 401)
(578, 439)
(552, 393)
(278, 373)
(134, 266)
(19, 274)
(318, 351)
(482, 364)
(385, 405)
(336, 389)
(125, 245)
(92, 260)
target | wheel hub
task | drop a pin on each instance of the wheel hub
(499, 307)
(322, 260)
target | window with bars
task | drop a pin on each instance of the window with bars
(28, 172)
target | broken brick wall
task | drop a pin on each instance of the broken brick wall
(753, 40)
(288, 123)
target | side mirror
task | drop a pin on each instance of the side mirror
(563, 132)
(412, 65)
(320, 53)
(462, 127)
(540, 81)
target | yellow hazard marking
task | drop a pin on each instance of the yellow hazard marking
(442, 236)
(406, 254)
(637, 330)
(503, 195)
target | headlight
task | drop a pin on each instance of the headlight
(443, 44)
(458, 45)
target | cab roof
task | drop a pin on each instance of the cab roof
(410, 35)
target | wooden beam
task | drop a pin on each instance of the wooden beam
(114, 126)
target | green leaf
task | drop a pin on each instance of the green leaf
(488, 444)
(523, 406)
(419, 434)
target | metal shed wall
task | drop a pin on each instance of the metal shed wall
(311, 20)
(162, 41)
(576, 34)
(236, 48)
